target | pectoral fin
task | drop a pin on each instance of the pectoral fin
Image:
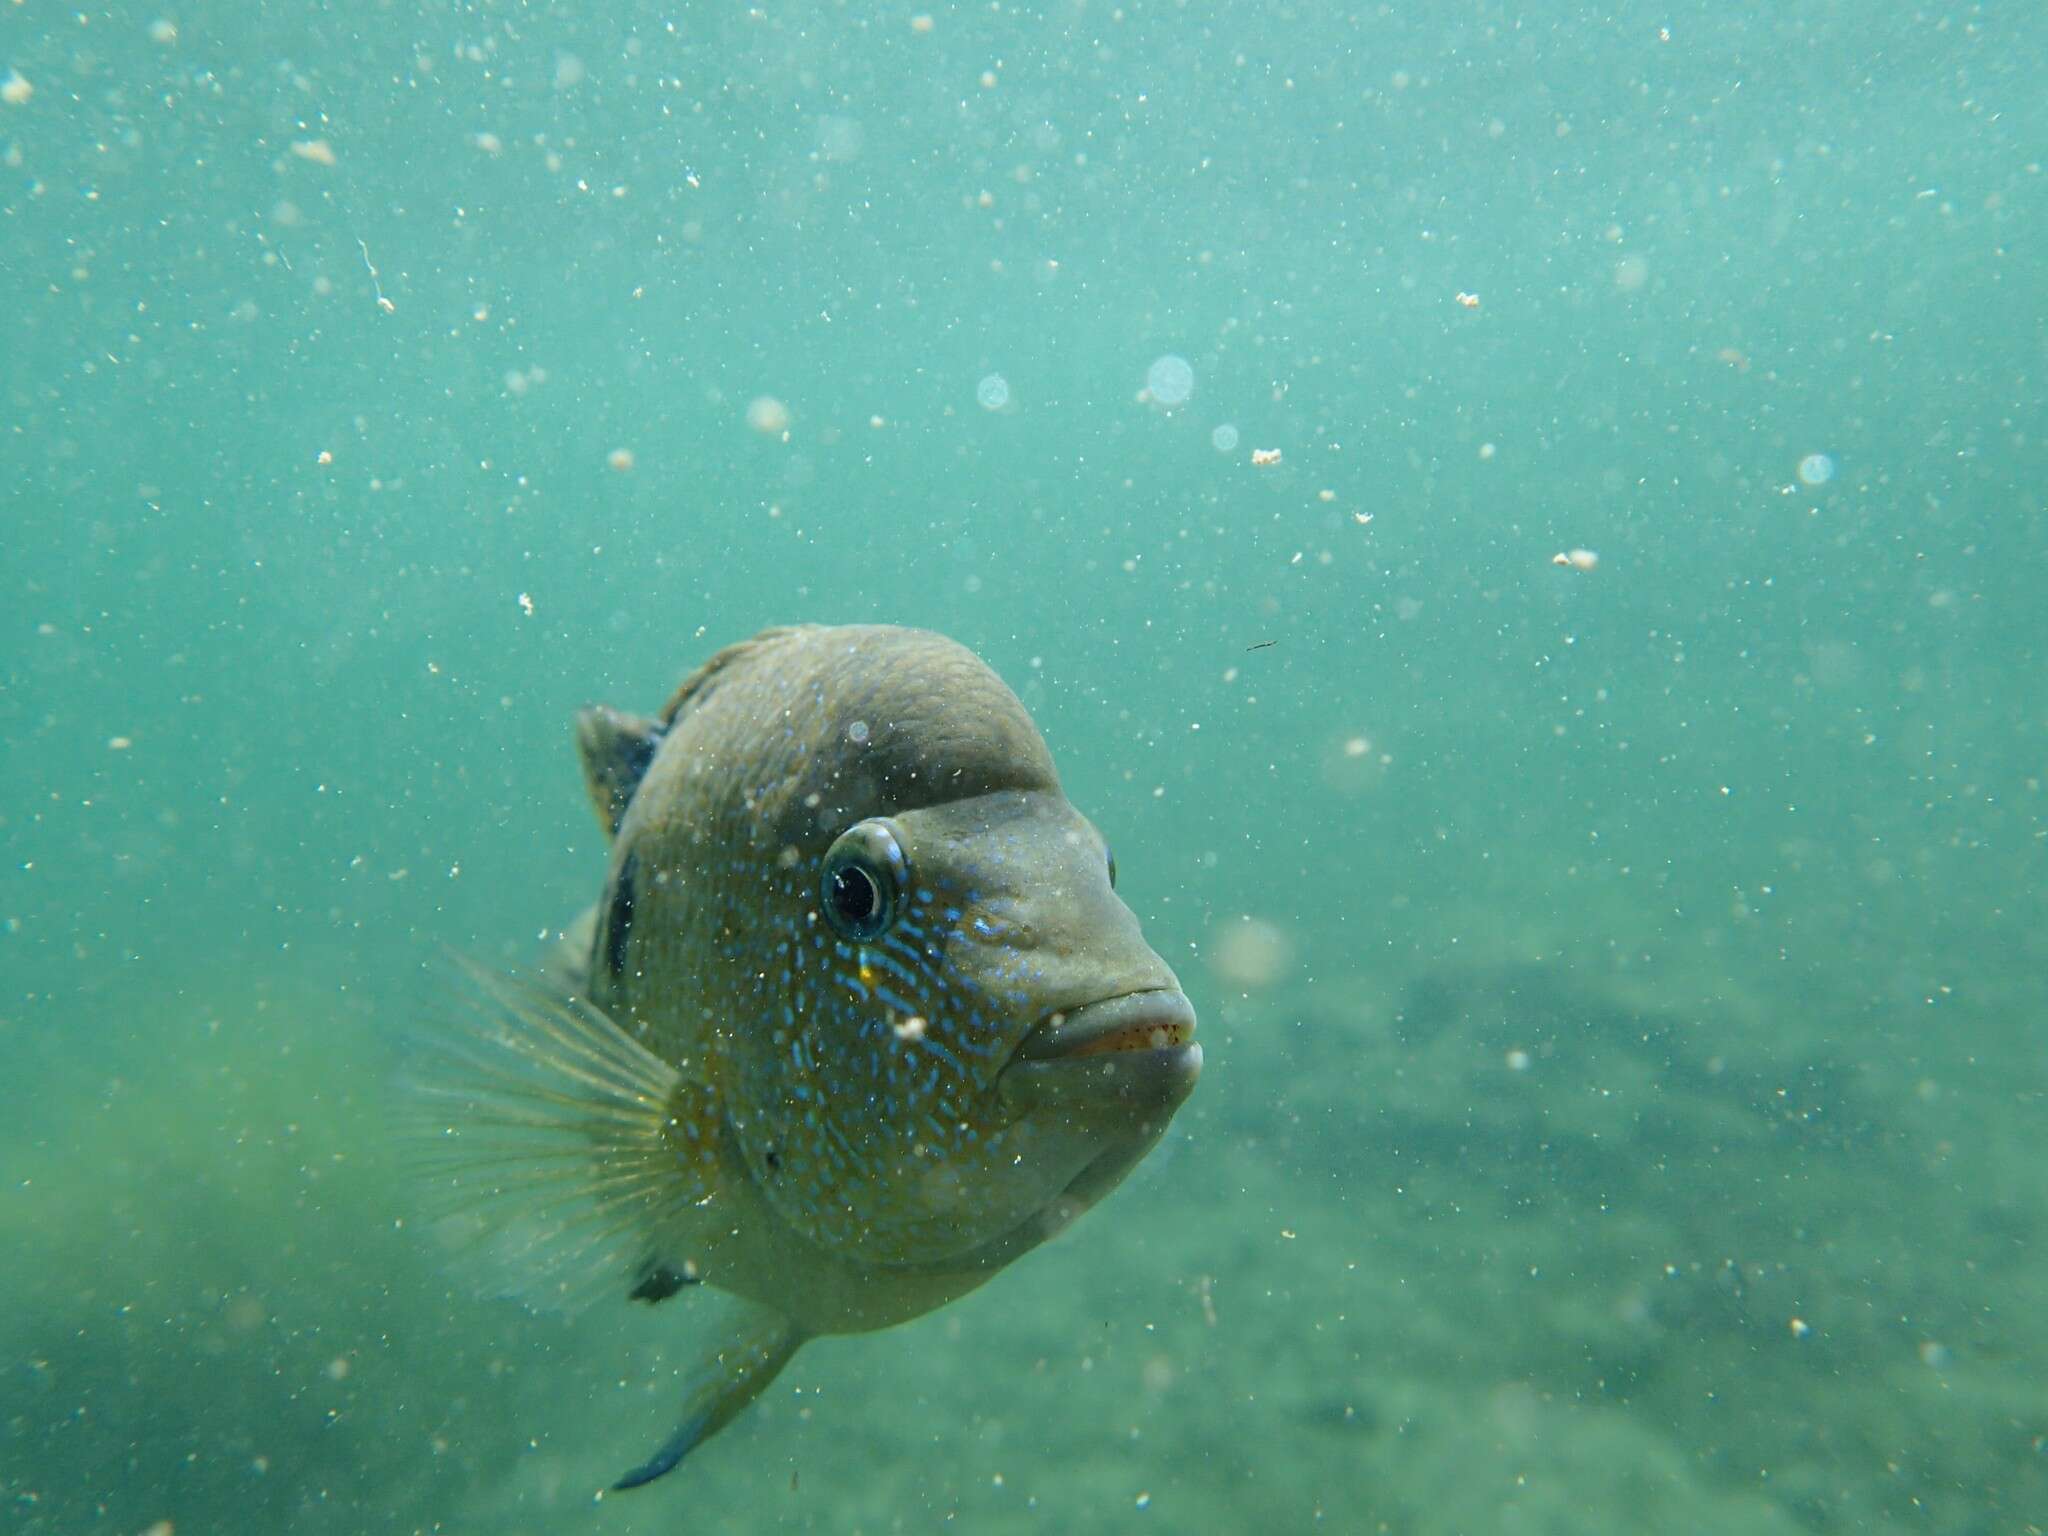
(555, 1146)
(724, 1383)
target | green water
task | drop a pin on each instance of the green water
(1621, 987)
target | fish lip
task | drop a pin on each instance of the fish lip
(1155, 1019)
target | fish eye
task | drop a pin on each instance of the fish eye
(1111, 857)
(864, 880)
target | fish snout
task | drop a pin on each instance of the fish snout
(1136, 1051)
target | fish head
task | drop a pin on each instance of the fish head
(948, 1036)
(1005, 1044)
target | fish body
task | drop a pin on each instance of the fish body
(857, 1021)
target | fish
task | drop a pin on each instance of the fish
(857, 1021)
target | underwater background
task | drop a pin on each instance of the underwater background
(1622, 976)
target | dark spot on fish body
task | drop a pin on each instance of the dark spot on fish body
(659, 1283)
(618, 917)
(637, 757)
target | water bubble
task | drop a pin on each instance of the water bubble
(993, 392)
(1170, 380)
(1816, 469)
(1224, 438)
(857, 732)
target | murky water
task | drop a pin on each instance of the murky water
(1620, 975)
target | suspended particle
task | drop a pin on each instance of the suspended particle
(1170, 380)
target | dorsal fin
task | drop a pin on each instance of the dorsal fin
(616, 749)
(699, 683)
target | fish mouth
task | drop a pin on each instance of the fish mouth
(1160, 1020)
(1134, 1053)
(1099, 1084)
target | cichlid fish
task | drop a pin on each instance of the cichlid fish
(858, 1021)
